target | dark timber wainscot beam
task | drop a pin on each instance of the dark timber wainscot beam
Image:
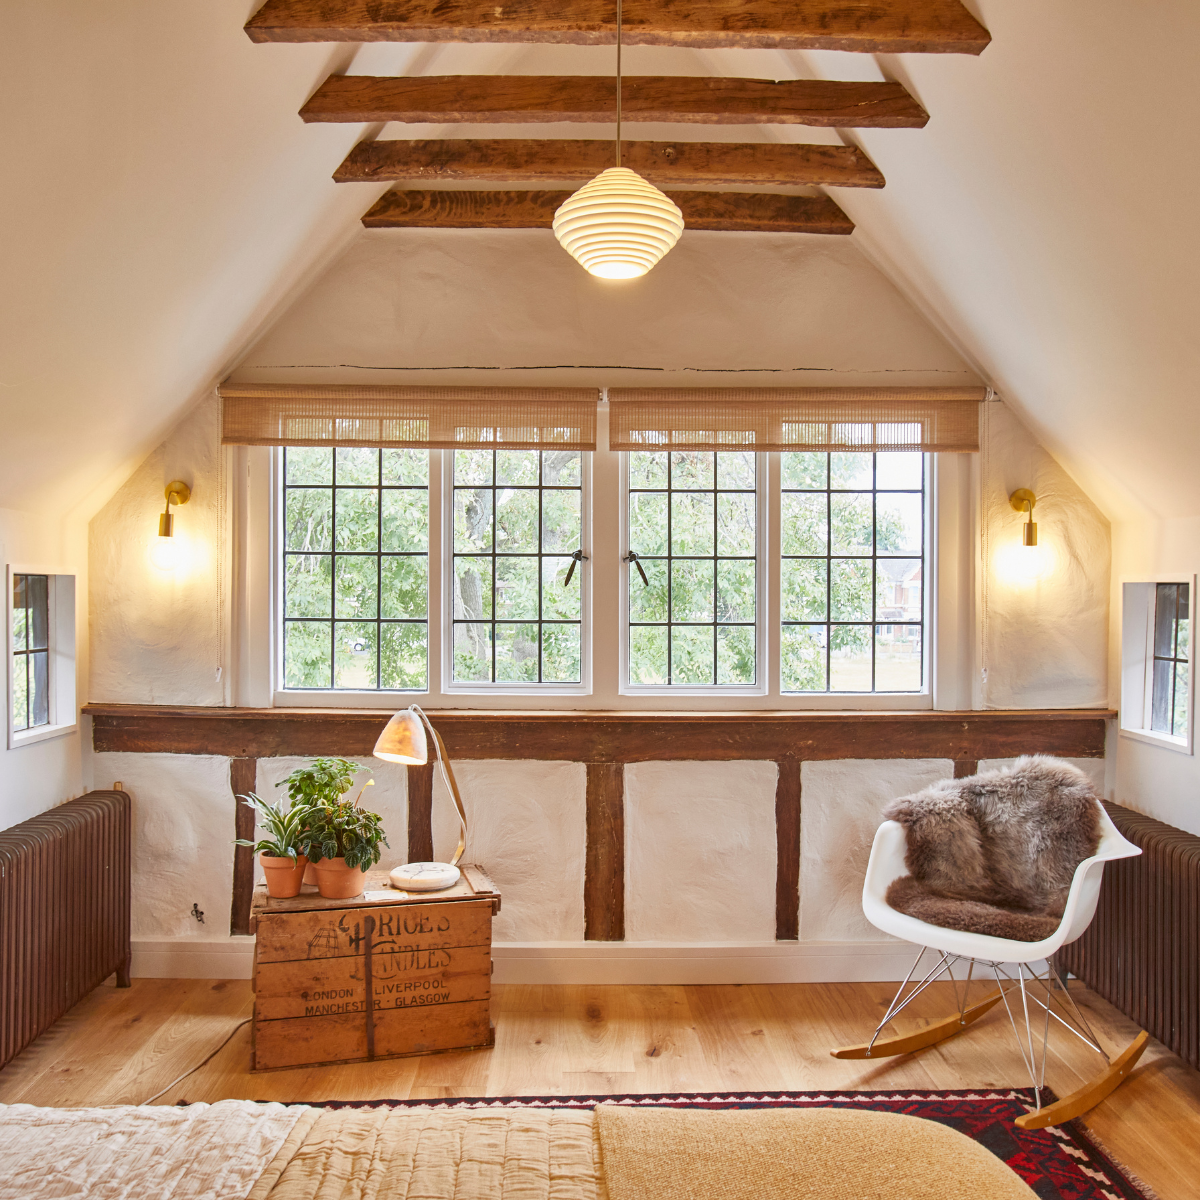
(484, 99)
(893, 27)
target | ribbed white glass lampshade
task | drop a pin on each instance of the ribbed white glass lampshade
(618, 226)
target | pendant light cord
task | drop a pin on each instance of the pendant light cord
(618, 83)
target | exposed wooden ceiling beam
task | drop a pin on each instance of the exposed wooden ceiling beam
(527, 98)
(518, 160)
(751, 212)
(869, 26)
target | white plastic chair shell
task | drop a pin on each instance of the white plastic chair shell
(887, 865)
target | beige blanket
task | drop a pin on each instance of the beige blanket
(236, 1149)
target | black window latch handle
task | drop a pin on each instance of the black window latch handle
(633, 558)
(576, 559)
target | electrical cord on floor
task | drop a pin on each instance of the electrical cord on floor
(193, 1070)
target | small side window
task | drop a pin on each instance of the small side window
(41, 656)
(1156, 662)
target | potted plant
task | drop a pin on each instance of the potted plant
(340, 839)
(282, 862)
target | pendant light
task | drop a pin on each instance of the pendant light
(618, 226)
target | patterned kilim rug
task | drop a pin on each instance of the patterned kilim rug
(1059, 1163)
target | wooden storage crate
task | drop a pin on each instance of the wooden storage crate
(424, 959)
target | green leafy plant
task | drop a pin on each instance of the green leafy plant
(283, 827)
(343, 830)
(324, 781)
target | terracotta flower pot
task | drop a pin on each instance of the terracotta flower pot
(283, 877)
(310, 873)
(336, 881)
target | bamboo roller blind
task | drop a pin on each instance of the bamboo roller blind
(438, 418)
(945, 419)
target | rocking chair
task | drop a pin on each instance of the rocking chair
(1045, 989)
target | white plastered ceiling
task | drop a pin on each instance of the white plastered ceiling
(161, 201)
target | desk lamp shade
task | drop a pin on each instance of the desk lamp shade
(403, 740)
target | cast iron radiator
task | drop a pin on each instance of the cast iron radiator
(64, 912)
(1142, 950)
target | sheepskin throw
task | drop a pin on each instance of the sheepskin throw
(995, 853)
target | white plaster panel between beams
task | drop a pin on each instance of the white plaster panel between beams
(1093, 768)
(182, 840)
(528, 830)
(387, 795)
(700, 851)
(840, 803)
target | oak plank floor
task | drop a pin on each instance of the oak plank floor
(120, 1046)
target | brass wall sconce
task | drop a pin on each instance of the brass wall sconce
(165, 556)
(1023, 501)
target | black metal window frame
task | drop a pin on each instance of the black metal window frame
(1172, 606)
(632, 578)
(451, 487)
(829, 558)
(33, 650)
(333, 621)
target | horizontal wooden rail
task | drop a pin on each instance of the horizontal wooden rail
(608, 737)
(895, 27)
(729, 212)
(438, 99)
(569, 160)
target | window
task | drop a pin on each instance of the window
(355, 569)
(516, 602)
(693, 568)
(1169, 656)
(30, 651)
(852, 573)
(1156, 662)
(41, 657)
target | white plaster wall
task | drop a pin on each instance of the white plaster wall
(158, 637)
(386, 795)
(528, 830)
(182, 840)
(700, 851)
(840, 803)
(801, 308)
(1045, 609)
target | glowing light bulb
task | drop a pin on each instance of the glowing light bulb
(164, 553)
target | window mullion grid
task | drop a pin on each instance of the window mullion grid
(828, 571)
(874, 557)
(379, 570)
(670, 568)
(495, 627)
(541, 608)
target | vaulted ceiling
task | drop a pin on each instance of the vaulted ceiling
(163, 201)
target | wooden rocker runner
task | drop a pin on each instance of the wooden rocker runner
(1030, 997)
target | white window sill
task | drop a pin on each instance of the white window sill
(1163, 740)
(39, 733)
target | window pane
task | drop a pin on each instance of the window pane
(693, 469)
(36, 597)
(1183, 621)
(735, 469)
(20, 615)
(873, 565)
(898, 658)
(802, 658)
(308, 464)
(648, 522)
(518, 579)
(20, 699)
(647, 469)
(648, 602)
(404, 656)
(356, 466)
(308, 585)
(356, 519)
(735, 590)
(648, 654)
(39, 688)
(1179, 714)
(803, 588)
(692, 654)
(367, 499)
(356, 586)
(1164, 619)
(850, 658)
(692, 528)
(307, 655)
(735, 523)
(692, 588)
(735, 654)
(308, 520)
(1162, 702)
(405, 588)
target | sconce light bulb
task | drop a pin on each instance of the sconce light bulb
(165, 553)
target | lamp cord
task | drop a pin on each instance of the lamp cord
(618, 83)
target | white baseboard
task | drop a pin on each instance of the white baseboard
(587, 962)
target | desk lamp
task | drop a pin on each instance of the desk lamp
(403, 741)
